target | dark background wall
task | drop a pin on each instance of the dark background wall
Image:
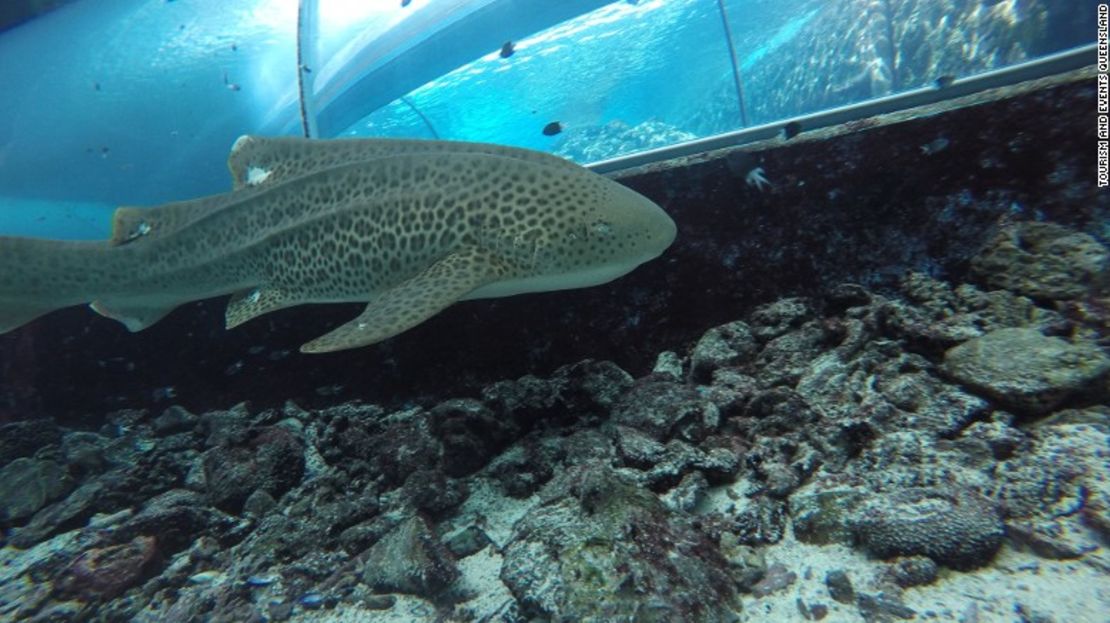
(860, 203)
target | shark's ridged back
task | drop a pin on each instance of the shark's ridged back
(278, 159)
(415, 201)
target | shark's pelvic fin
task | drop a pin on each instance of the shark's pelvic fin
(409, 303)
(250, 304)
(134, 317)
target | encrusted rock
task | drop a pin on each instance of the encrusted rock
(840, 586)
(664, 408)
(84, 452)
(468, 541)
(774, 319)
(1042, 260)
(432, 491)
(470, 433)
(882, 607)
(787, 357)
(688, 493)
(1056, 492)
(410, 560)
(522, 470)
(668, 363)
(842, 297)
(23, 438)
(913, 571)
(77, 507)
(960, 530)
(637, 449)
(601, 549)
(776, 578)
(730, 344)
(1025, 370)
(747, 564)
(273, 460)
(106, 572)
(761, 522)
(174, 419)
(26, 485)
(574, 391)
(178, 517)
(820, 512)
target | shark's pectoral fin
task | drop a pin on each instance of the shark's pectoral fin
(134, 317)
(408, 304)
(250, 304)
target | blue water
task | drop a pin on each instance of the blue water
(138, 101)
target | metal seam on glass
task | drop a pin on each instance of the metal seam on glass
(307, 13)
(735, 64)
(422, 116)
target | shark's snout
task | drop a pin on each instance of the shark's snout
(665, 230)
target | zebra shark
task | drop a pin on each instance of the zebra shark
(407, 226)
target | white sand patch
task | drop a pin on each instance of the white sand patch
(1076, 591)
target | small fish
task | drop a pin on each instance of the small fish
(507, 49)
(552, 128)
(405, 3)
(312, 601)
(791, 129)
(234, 47)
(205, 577)
(231, 86)
(944, 81)
(306, 69)
(934, 147)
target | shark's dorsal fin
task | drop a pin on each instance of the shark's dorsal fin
(132, 223)
(413, 301)
(261, 161)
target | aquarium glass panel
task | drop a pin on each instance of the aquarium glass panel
(632, 76)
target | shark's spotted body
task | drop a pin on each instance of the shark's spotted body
(409, 226)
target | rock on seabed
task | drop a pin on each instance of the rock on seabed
(1024, 369)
